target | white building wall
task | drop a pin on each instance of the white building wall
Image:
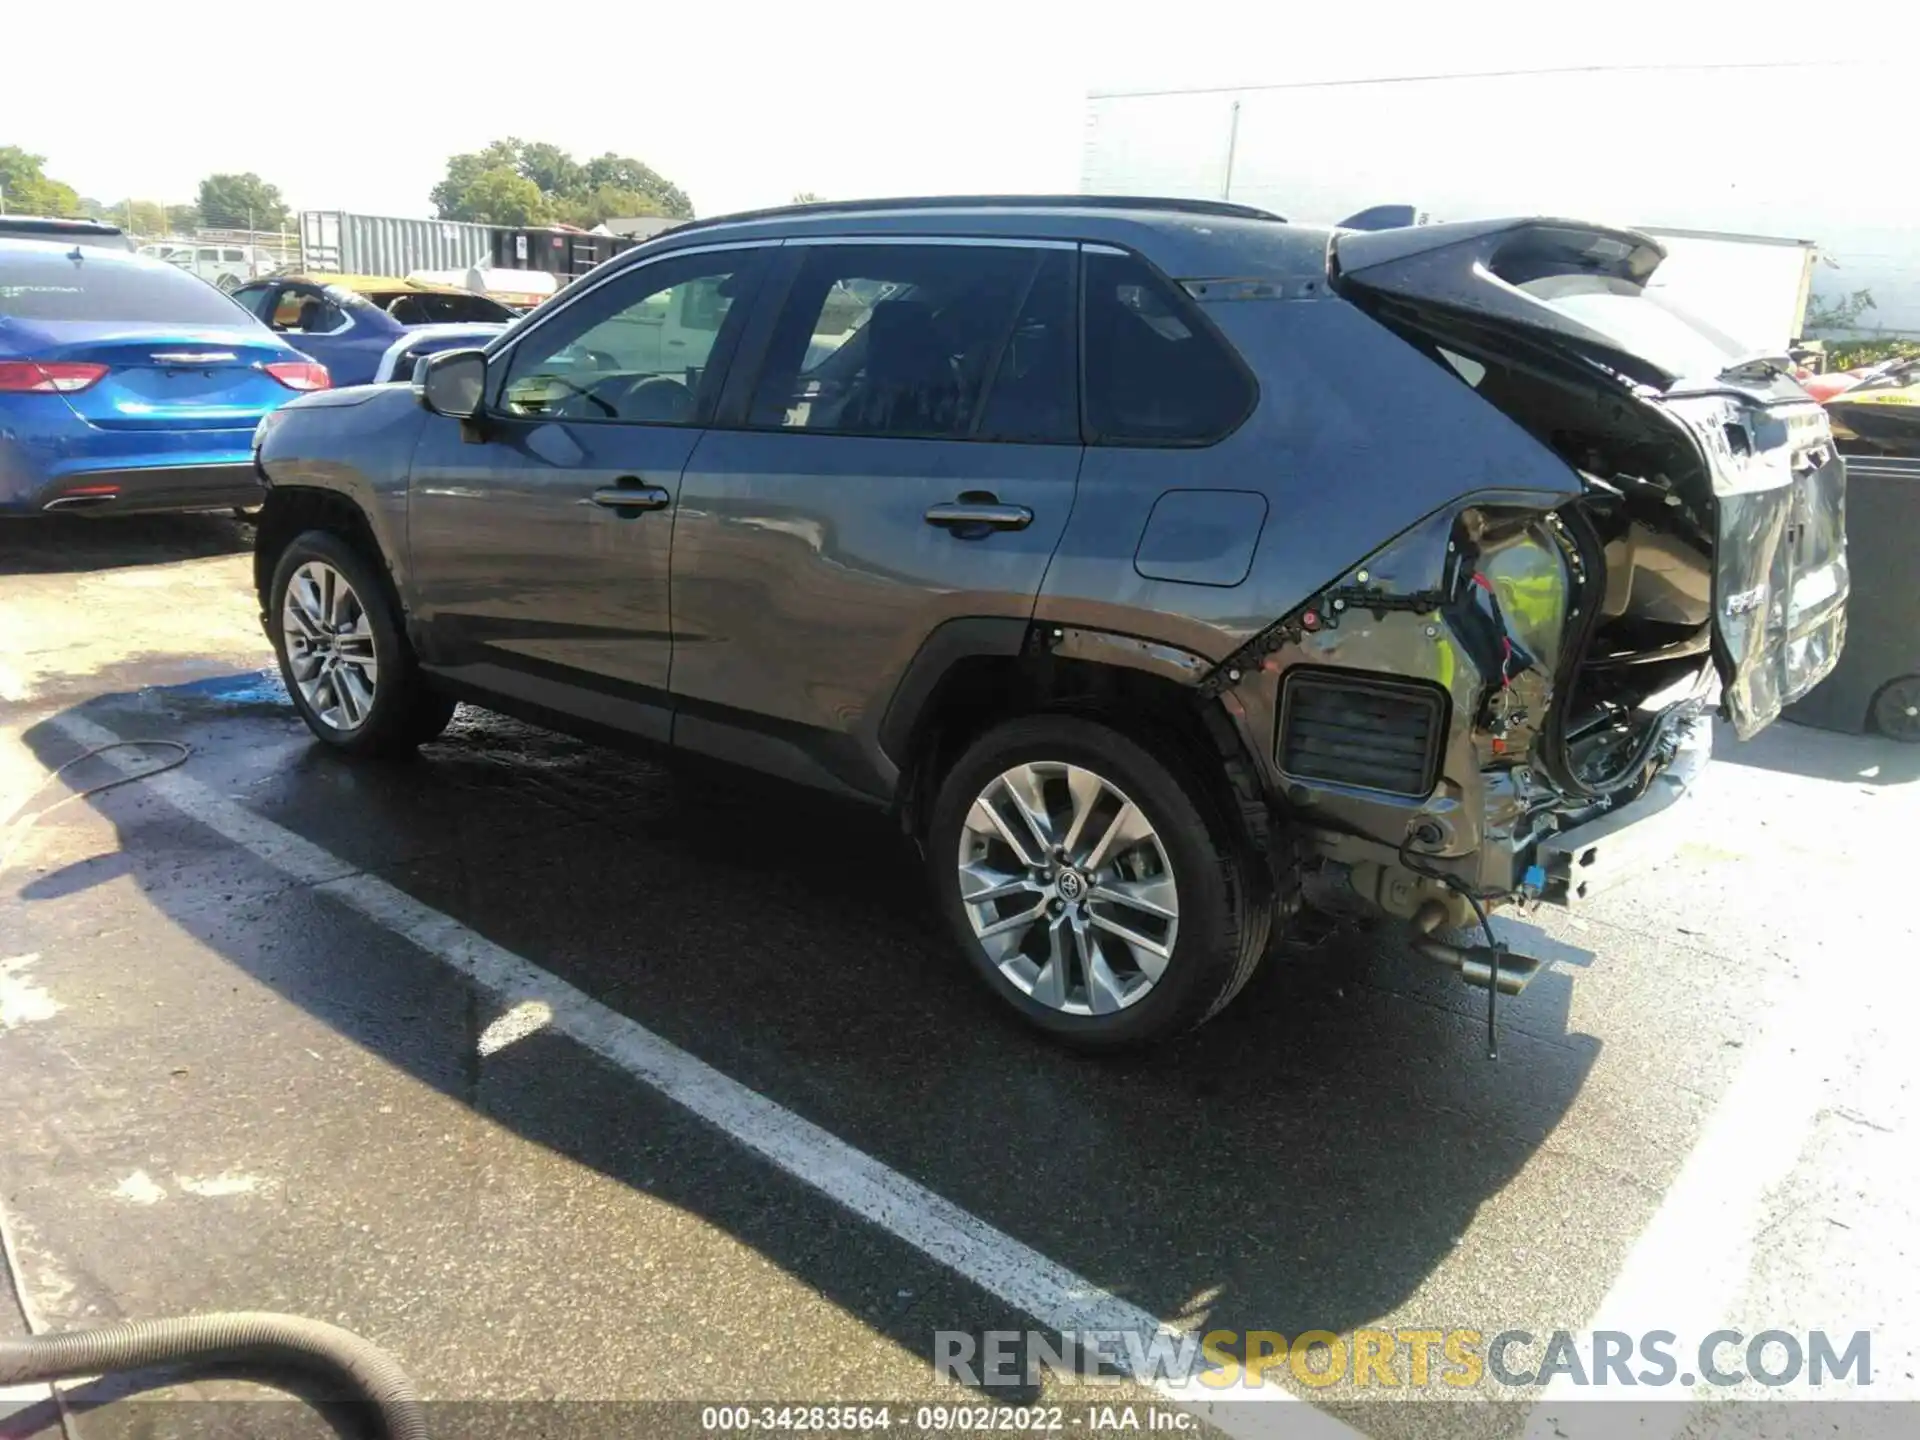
(1743, 148)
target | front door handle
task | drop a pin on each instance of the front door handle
(978, 516)
(632, 497)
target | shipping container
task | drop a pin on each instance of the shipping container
(567, 253)
(339, 242)
(1645, 146)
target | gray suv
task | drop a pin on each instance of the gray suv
(1148, 558)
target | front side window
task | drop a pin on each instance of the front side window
(1155, 374)
(307, 310)
(929, 341)
(645, 349)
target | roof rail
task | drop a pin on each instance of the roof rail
(61, 224)
(1168, 204)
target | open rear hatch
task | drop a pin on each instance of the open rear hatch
(1713, 481)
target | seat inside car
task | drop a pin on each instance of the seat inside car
(909, 385)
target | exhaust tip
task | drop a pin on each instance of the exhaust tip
(1481, 966)
(82, 500)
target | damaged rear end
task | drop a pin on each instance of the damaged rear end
(1509, 698)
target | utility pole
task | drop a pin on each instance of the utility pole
(1233, 144)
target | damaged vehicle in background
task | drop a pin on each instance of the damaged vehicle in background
(369, 329)
(1147, 558)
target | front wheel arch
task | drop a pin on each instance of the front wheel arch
(289, 511)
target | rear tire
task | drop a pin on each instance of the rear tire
(343, 653)
(1159, 927)
(1896, 710)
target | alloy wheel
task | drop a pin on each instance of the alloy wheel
(1068, 888)
(330, 649)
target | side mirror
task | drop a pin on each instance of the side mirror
(452, 383)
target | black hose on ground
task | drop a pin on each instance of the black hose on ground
(311, 1345)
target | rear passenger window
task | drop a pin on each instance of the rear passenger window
(1154, 374)
(927, 341)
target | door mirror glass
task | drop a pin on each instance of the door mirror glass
(452, 383)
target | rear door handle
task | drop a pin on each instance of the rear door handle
(632, 497)
(979, 515)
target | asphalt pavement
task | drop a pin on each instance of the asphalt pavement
(571, 1076)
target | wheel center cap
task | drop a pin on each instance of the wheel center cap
(1070, 885)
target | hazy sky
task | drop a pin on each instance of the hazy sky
(351, 105)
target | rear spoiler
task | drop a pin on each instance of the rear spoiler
(1381, 217)
(1471, 270)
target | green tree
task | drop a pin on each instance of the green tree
(563, 189)
(500, 197)
(1842, 313)
(183, 219)
(550, 167)
(604, 203)
(26, 190)
(620, 172)
(242, 201)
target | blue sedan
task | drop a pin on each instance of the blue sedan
(127, 385)
(353, 323)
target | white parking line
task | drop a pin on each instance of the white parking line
(995, 1262)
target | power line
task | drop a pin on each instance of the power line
(1469, 75)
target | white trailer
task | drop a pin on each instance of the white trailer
(1710, 158)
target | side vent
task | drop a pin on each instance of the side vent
(1374, 734)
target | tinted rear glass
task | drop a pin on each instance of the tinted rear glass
(1641, 322)
(1155, 374)
(904, 340)
(51, 285)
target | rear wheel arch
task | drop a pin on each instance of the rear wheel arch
(1000, 894)
(972, 691)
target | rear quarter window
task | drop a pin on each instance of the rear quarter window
(1156, 373)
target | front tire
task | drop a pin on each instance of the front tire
(343, 654)
(1103, 893)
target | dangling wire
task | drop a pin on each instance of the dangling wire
(18, 824)
(1466, 891)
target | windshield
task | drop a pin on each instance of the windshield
(1640, 321)
(53, 285)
